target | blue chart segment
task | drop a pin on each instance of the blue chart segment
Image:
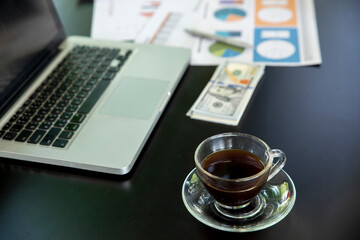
(228, 33)
(230, 14)
(225, 50)
(230, 53)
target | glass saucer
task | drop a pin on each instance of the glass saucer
(279, 196)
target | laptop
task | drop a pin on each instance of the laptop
(76, 101)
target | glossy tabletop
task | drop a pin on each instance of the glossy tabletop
(311, 113)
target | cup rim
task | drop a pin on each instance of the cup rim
(266, 168)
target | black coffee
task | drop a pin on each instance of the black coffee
(231, 164)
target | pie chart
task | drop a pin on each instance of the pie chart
(225, 50)
(230, 14)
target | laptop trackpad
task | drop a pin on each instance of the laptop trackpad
(135, 98)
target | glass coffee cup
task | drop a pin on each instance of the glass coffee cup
(234, 167)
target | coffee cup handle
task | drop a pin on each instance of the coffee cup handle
(277, 166)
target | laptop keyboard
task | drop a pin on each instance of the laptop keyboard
(55, 111)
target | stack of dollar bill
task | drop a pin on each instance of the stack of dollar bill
(227, 94)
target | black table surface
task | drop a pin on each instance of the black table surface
(311, 113)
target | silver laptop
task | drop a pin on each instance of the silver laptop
(75, 101)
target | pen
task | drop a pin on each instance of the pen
(218, 38)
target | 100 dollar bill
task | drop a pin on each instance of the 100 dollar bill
(225, 97)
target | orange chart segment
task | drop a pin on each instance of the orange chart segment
(233, 17)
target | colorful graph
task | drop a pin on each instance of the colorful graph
(165, 29)
(230, 14)
(149, 8)
(228, 33)
(231, 2)
(225, 50)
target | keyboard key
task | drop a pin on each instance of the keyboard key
(37, 136)
(42, 97)
(82, 94)
(114, 69)
(50, 103)
(51, 117)
(121, 58)
(14, 118)
(48, 90)
(50, 136)
(109, 76)
(45, 125)
(61, 89)
(100, 69)
(79, 82)
(68, 96)
(27, 103)
(93, 97)
(23, 120)
(35, 106)
(72, 127)
(60, 143)
(96, 76)
(76, 71)
(57, 110)
(16, 127)
(33, 96)
(2, 133)
(32, 125)
(114, 63)
(71, 77)
(128, 53)
(93, 80)
(71, 108)
(29, 112)
(74, 89)
(44, 110)
(66, 115)
(66, 134)
(9, 136)
(60, 123)
(62, 103)
(55, 96)
(6, 126)
(38, 117)
(112, 54)
(77, 101)
(20, 110)
(89, 70)
(87, 87)
(84, 76)
(78, 118)
(23, 136)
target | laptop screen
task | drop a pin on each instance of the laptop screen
(28, 31)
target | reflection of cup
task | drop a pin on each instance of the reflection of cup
(234, 167)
